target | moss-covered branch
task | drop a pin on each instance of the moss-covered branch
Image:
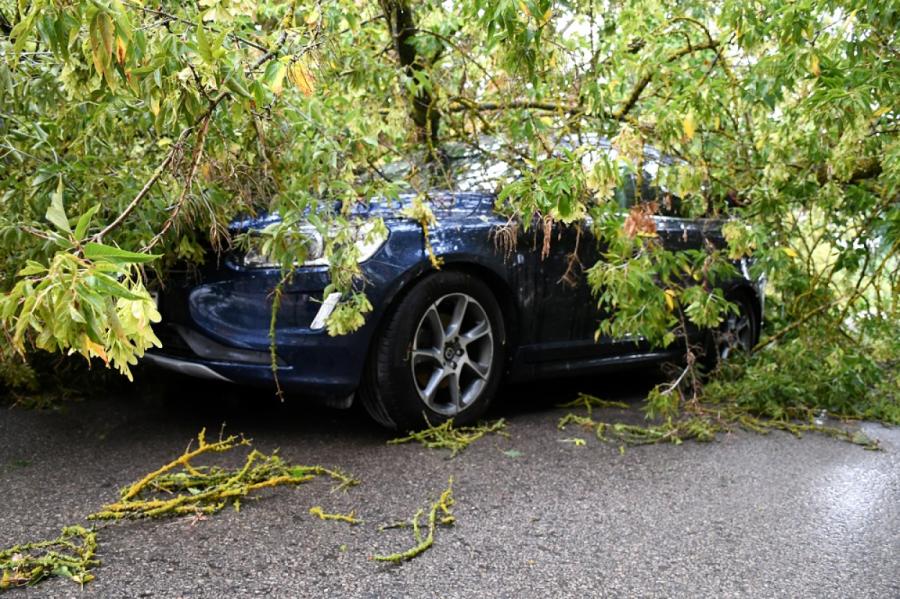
(321, 514)
(70, 555)
(456, 439)
(702, 422)
(438, 513)
(207, 490)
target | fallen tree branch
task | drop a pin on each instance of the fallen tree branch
(205, 490)
(573, 109)
(170, 17)
(30, 563)
(203, 124)
(98, 238)
(466, 104)
(438, 513)
(642, 83)
(188, 184)
(456, 439)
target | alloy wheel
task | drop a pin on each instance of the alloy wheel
(452, 353)
(736, 334)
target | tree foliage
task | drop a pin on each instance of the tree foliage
(130, 129)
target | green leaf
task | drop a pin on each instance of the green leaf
(94, 328)
(273, 77)
(21, 29)
(110, 286)
(98, 251)
(203, 47)
(84, 221)
(31, 268)
(56, 214)
(75, 315)
(233, 83)
(41, 178)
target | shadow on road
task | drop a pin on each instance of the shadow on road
(188, 402)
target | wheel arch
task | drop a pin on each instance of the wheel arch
(503, 293)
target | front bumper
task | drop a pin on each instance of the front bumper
(336, 388)
(184, 366)
(216, 326)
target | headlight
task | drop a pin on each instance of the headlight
(367, 238)
(257, 255)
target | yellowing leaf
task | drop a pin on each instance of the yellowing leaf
(689, 125)
(789, 251)
(276, 84)
(313, 17)
(670, 299)
(107, 32)
(99, 58)
(121, 50)
(302, 78)
(547, 16)
(814, 65)
(96, 349)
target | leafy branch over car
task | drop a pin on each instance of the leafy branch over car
(175, 119)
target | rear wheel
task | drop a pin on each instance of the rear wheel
(439, 356)
(738, 333)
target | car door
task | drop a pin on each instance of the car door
(567, 313)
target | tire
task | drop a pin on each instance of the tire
(439, 356)
(737, 333)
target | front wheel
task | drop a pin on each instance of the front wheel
(439, 356)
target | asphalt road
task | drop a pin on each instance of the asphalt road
(747, 515)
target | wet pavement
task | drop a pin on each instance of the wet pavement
(744, 516)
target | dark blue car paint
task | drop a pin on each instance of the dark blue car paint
(551, 323)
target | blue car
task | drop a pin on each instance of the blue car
(437, 343)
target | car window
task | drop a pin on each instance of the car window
(471, 172)
(626, 196)
(468, 169)
(667, 203)
(478, 173)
